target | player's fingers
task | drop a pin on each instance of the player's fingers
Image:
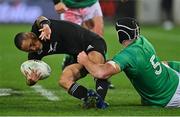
(48, 36)
(26, 73)
(83, 52)
(32, 71)
(80, 54)
(42, 36)
(40, 30)
(36, 72)
(28, 76)
(78, 60)
(39, 75)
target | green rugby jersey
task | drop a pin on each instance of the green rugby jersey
(154, 82)
(78, 3)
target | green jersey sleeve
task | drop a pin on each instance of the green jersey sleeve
(122, 59)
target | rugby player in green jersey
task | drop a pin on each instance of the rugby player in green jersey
(156, 82)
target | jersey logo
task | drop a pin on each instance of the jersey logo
(52, 47)
(40, 51)
(89, 47)
(156, 65)
(99, 88)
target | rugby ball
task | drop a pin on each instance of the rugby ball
(38, 65)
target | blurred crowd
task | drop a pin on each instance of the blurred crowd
(112, 9)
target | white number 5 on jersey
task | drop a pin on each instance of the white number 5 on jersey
(156, 65)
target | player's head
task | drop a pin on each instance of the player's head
(27, 41)
(127, 29)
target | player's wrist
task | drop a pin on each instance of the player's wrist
(45, 25)
(41, 21)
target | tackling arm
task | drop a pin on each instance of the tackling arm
(100, 71)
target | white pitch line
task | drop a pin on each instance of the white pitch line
(5, 92)
(44, 92)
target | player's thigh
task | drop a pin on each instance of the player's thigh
(98, 21)
(98, 24)
(95, 21)
(96, 57)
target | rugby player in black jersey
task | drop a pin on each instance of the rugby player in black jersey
(49, 37)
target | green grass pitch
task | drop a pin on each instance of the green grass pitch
(22, 100)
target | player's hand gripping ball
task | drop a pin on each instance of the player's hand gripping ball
(41, 67)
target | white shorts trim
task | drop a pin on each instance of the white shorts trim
(80, 15)
(175, 100)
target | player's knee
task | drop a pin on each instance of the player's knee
(61, 82)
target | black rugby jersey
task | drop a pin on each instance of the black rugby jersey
(67, 38)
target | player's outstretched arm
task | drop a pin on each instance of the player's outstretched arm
(100, 71)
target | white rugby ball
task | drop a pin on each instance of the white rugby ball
(38, 65)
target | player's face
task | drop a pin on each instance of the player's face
(31, 45)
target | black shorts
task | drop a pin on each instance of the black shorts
(96, 45)
(99, 46)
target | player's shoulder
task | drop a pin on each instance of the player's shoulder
(130, 52)
(137, 44)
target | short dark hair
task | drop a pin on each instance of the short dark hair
(18, 39)
(127, 29)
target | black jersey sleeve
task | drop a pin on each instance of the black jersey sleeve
(38, 24)
(34, 55)
(35, 29)
(41, 20)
